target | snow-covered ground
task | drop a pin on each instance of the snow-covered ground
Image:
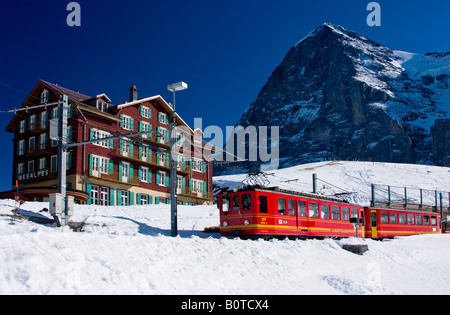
(128, 250)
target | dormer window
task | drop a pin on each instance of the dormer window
(102, 106)
(44, 96)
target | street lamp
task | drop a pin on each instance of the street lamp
(180, 86)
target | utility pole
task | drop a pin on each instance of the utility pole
(62, 158)
(180, 86)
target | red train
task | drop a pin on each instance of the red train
(255, 212)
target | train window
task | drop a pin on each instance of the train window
(345, 214)
(402, 218)
(426, 220)
(246, 202)
(302, 209)
(262, 204)
(281, 206)
(313, 210)
(225, 203)
(419, 220)
(235, 202)
(384, 217)
(394, 218)
(354, 213)
(325, 211)
(291, 207)
(433, 221)
(336, 213)
(411, 219)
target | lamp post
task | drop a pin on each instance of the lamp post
(180, 86)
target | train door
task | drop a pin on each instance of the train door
(373, 219)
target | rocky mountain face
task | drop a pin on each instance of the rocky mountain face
(338, 95)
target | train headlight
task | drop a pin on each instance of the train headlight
(225, 223)
(246, 222)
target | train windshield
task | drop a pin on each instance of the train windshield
(225, 203)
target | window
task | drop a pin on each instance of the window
(345, 214)
(54, 163)
(325, 211)
(163, 118)
(235, 202)
(143, 174)
(198, 165)
(313, 210)
(144, 153)
(44, 120)
(42, 164)
(20, 169)
(43, 141)
(145, 126)
(433, 221)
(419, 220)
(146, 112)
(104, 196)
(127, 122)
(426, 220)
(100, 134)
(21, 147)
(44, 96)
(411, 219)
(354, 213)
(402, 218)
(30, 166)
(125, 197)
(95, 194)
(302, 209)
(394, 218)
(125, 172)
(145, 199)
(162, 178)
(22, 126)
(32, 144)
(33, 123)
(291, 207)
(262, 204)
(246, 202)
(281, 206)
(102, 106)
(384, 217)
(225, 203)
(99, 164)
(336, 213)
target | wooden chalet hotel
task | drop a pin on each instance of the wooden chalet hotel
(119, 172)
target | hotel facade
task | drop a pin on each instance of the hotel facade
(124, 171)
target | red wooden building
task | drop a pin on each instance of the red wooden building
(128, 171)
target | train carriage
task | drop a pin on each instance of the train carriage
(389, 223)
(263, 212)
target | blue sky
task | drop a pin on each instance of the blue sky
(224, 50)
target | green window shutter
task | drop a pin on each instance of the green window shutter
(141, 111)
(140, 173)
(120, 170)
(111, 143)
(167, 180)
(131, 124)
(131, 198)
(157, 177)
(131, 173)
(88, 191)
(156, 200)
(149, 175)
(140, 125)
(119, 197)
(111, 196)
(150, 200)
(90, 163)
(121, 123)
(138, 197)
(111, 167)
(91, 136)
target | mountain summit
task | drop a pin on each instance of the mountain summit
(339, 95)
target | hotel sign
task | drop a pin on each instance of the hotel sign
(33, 175)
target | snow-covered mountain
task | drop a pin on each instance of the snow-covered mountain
(339, 95)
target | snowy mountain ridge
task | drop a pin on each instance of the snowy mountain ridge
(338, 95)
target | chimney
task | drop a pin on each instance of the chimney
(133, 93)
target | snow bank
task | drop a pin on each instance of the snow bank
(127, 250)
